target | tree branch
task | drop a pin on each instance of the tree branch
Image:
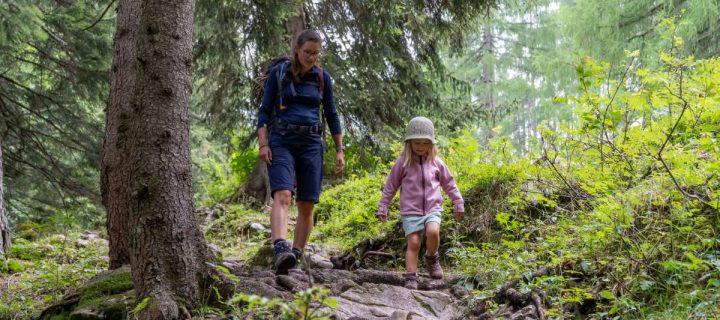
(101, 16)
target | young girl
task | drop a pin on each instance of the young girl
(420, 173)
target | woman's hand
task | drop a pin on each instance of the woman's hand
(266, 154)
(339, 162)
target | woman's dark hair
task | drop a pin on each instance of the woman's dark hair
(300, 39)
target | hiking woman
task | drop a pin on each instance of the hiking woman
(420, 173)
(290, 141)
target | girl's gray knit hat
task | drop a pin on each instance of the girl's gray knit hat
(420, 128)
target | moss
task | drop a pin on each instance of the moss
(262, 257)
(113, 283)
(26, 251)
(108, 307)
(29, 230)
(15, 266)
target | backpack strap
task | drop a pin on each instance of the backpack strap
(321, 82)
(282, 70)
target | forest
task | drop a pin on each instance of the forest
(582, 135)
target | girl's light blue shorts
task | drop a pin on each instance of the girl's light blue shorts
(413, 223)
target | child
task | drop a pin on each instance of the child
(420, 174)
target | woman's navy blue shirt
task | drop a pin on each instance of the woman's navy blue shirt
(301, 108)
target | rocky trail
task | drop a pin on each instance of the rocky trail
(360, 294)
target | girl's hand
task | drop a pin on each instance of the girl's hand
(339, 162)
(266, 154)
(458, 215)
(382, 217)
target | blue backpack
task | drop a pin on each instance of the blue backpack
(284, 63)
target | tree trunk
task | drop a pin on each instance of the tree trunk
(4, 227)
(114, 173)
(258, 184)
(146, 160)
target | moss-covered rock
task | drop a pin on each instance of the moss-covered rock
(105, 307)
(262, 257)
(108, 295)
(106, 284)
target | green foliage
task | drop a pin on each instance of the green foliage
(647, 167)
(55, 77)
(311, 303)
(379, 77)
(138, 308)
(51, 264)
(230, 230)
(352, 206)
(117, 281)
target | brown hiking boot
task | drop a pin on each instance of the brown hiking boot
(411, 281)
(433, 266)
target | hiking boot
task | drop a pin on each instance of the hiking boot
(298, 256)
(284, 258)
(411, 281)
(433, 266)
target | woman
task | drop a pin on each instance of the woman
(289, 134)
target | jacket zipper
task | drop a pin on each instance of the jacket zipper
(422, 171)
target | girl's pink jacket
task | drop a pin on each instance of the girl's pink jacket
(420, 184)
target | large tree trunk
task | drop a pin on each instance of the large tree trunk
(257, 184)
(4, 227)
(146, 162)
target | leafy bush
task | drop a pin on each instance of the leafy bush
(350, 206)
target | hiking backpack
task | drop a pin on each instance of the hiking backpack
(284, 63)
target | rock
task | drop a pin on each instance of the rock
(342, 285)
(86, 314)
(400, 315)
(262, 289)
(215, 250)
(381, 301)
(90, 235)
(318, 261)
(459, 291)
(258, 227)
(288, 283)
(81, 243)
(57, 239)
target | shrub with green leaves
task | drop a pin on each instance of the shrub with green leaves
(350, 206)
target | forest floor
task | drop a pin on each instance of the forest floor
(64, 277)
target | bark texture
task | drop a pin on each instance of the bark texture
(114, 173)
(4, 227)
(146, 161)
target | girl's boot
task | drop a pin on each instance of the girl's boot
(411, 280)
(433, 266)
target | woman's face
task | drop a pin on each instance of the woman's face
(420, 147)
(308, 54)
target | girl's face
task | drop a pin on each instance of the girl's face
(308, 54)
(420, 147)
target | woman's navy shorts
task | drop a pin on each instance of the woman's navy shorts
(297, 163)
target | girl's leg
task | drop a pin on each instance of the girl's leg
(304, 224)
(411, 254)
(432, 237)
(279, 215)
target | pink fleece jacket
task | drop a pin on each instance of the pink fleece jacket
(420, 184)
